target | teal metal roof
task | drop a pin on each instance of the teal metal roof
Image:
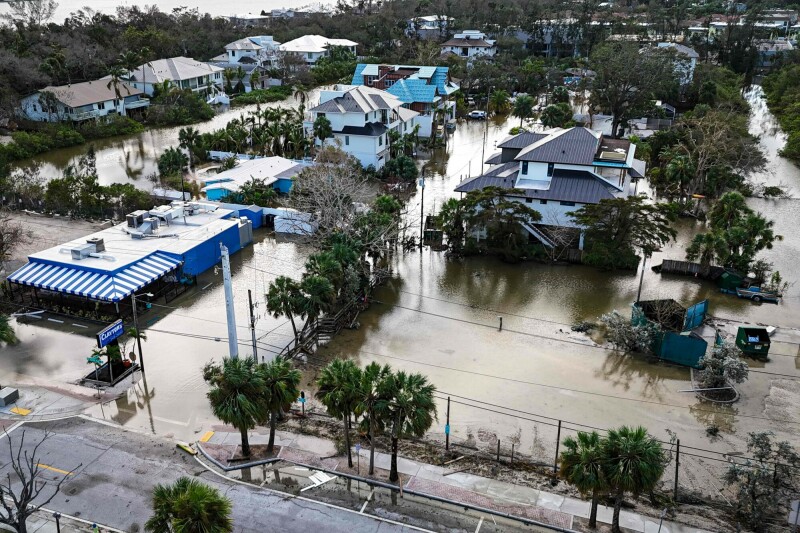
(413, 90)
(422, 86)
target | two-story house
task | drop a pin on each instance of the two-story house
(313, 47)
(361, 118)
(425, 90)
(556, 172)
(429, 26)
(259, 50)
(685, 61)
(81, 101)
(470, 44)
(180, 72)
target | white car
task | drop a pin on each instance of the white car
(477, 115)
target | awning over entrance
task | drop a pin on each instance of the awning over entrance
(105, 287)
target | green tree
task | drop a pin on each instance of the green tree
(337, 389)
(722, 367)
(189, 138)
(634, 463)
(280, 388)
(189, 506)
(253, 192)
(7, 334)
(582, 466)
(115, 73)
(452, 220)
(370, 389)
(238, 394)
(627, 79)
(499, 102)
(322, 128)
(283, 299)
(317, 296)
(556, 116)
(616, 229)
(523, 107)
(406, 409)
(129, 60)
(706, 248)
(402, 167)
(561, 95)
(766, 482)
(255, 80)
(172, 161)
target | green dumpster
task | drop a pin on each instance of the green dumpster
(753, 341)
(729, 280)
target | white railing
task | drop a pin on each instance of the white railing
(137, 103)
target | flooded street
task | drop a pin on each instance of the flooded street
(439, 316)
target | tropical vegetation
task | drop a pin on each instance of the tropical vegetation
(189, 506)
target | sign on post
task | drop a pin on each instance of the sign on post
(111, 333)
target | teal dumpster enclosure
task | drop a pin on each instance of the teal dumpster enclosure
(686, 350)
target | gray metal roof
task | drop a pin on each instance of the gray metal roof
(575, 146)
(495, 159)
(577, 186)
(359, 99)
(521, 140)
(371, 129)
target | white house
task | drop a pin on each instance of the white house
(361, 118)
(259, 50)
(558, 171)
(429, 26)
(276, 172)
(312, 47)
(81, 101)
(685, 61)
(470, 44)
(181, 72)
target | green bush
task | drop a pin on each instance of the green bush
(25, 144)
(263, 96)
(111, 127)
(179, 109)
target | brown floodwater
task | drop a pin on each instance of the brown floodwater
(439, 316)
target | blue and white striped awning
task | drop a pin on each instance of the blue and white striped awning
(105, 287)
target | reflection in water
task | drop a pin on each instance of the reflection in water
(621, 370)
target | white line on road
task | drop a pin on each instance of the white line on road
(480, 523)
(11, 428)
(310, 500)
(366, 502)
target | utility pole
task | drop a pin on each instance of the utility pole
(233, 340)
(138, 331)
(252, 323)
(641, 279)
(447, 427)
(422, 210)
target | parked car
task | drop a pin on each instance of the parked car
(477, 115)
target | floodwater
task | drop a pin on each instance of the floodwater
(132, 158)
(439, 316)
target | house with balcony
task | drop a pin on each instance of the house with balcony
(429, 26)
(426, 90)
(361, 119)
(82, 101)
(261, 50)
(470, 44)
(313, 47)
(557, 171)
(181, 72)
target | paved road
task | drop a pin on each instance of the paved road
(115, 471)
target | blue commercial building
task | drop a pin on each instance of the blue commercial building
(160, 251)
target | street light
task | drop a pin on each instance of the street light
(136, 327)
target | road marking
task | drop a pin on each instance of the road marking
(480, 523)
(11, 428)
(54, 469)
(20, 411)
(207, 436)
(168, 421)
(366, 502)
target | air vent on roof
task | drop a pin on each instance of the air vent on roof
(613, 156)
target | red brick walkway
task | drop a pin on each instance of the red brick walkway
(307, 458)
(458, 494)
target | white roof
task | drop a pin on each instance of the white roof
(243, 44)
(122, 249)
(269, 169)
(173, 69)
(90, 92)
(314, 43)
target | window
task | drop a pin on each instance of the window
(380, 140)
(524, 167)
(366, 117)
(320, 115)
(101, 105)
(233, 53)
(568, 204)
(528, 200)
(34, 108)
(347, 140)
(542, 202)
(550, 168)
(310, 56)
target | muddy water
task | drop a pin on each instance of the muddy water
(440, 317)
(130, 159)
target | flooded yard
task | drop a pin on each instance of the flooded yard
(439, 316)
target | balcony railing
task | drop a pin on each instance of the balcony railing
(84, 115)
(137, 104)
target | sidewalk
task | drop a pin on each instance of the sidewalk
(488, 493)
(44, 522)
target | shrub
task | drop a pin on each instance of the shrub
(263, 96)
(111, 127)
(623, 334)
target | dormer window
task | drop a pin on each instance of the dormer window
(524, 167)
(550, 168)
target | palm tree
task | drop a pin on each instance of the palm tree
(302, 96)
(634, 463)
(188, 138)
(238, 394)
(317, 296)
(322, 128)
(255, 77)
(189, 506)
(680, 171)
(707, 248)
(283, 299)
(582, 464)
(338, 391)
(129, 61)
(325, 265)
(281, 381)
(7, 334)
(406, 408)
(228, 75)
(369, 390)
(116, 74)
(499, 101)
(523, 107)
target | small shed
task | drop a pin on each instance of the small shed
(753, 341)
(730, 280)
(677, 343)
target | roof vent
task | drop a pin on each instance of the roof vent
(613, 156)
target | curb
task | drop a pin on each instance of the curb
(237, 467)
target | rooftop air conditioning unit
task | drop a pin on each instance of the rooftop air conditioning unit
(136, 218)
(99, 244)
(82, 251)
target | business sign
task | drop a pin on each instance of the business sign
(111, 333)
